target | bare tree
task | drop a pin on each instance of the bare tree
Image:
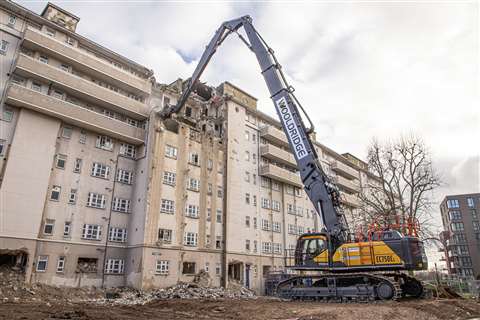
(404, 189)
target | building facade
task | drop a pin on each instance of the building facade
(96, 190)
(461, 222)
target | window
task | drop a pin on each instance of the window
(457, 226)
(247, 176)
(77, 167)
(459, 238)
(65, 67)
(128, 150)
(114, 266)
(169, 178)
(292, 229)
(209, 164)
(171, 152)
(7, 115)
(218, 242)
(218, 269)
(289, 189)
(124, 176)
(167, 206)
(165, 235)
(50, 32)
(277, 248)
(275, 186)
(254, 137)
(254, 158)
(275, 205)
(247, 198)
(455, 215)
(247, 245)
(67, 132)
(254, 222)
(219, 191)
(247, 156)
(91, 232)
(11, 20)
(132, 122)
(104, 142)
(61, 264)
(188, 112)
(453, 203)
(219, 216)
(266, 247)
(70, 41)
(470, 202)
(247, 135)
(190, 239)
(48, 227)
(42, 263)
(161, 267)
(299, 211)
(117, 234)
(290, 208)
(255, 200)
(247, 221)
(276, 226)
(207, 266)
(192, 211)
(254, 178)
(67, 227)
(121, 205)
(3, 47)
(265, 203)
(43, 59)
(2, 147)
(61, 161)
(188, 268)
(476, 226)
(255, 246)
(18, 80)
(265, 182)
(55, 194)
(301, 230)
(96, 200)
(193, 184)
(194, 159)
(298, 192)
(72, 198)
(83, 137)
(36, 86)
(100, 170)
(265, 225)
(474, 215)
(209, 214)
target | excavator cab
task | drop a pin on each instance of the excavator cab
(312, 250)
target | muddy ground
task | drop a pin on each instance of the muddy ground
(245, 309)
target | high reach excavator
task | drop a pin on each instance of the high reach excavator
(330, 265)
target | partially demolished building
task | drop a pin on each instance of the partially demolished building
(96, 190)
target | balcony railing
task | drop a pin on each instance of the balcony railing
(346, 184)
(29, 67)
(277, 154)
(23, 97)
(36, 40)
(279, 174)
(274, 135)
(345, 170)
(349, 200)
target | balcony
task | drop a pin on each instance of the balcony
(84, 89)
(22, 97)
(274, 135)
(279, 174)
(350, 200)
(344, 170)
(81, 60)
(278, 155)
(348, 185)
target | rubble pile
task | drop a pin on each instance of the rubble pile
(179, 291)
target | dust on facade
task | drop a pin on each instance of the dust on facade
(96, 190)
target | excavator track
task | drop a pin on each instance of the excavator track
(347, 287)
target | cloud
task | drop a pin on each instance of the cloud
(361, 70)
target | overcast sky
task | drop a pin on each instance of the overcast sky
(361, 70)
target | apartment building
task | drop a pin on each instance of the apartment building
(72, 129)
(461, 222)
(97, 190)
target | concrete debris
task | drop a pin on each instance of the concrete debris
(179, 291)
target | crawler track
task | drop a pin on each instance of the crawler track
(349, 287)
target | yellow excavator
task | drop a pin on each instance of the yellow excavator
(331, 265)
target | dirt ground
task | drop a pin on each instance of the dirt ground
(245, 309)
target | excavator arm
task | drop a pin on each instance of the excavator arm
(323, 194)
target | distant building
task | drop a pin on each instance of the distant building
(460, 217)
